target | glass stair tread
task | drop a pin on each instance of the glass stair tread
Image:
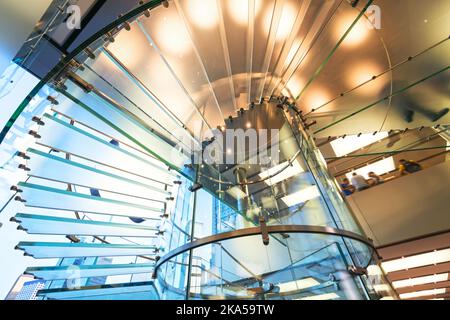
(60, 135)
(126, 291)
(87, 271)
(42, 250)
(39, 224)
(52, 198)
(119, 118)
(55, 168)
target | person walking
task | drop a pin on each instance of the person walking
(408, 105)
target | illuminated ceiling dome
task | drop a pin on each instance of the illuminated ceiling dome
(201, 61)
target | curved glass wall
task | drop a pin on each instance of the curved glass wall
(244, 268)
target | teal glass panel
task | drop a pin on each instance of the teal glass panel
(62, 136)
(37, 224)
(51, 198)
(55, 168)
(175, 95)
(42, 250)
(127, 291)
(133, 127)
(92, 112)
(124, 100)
(83, 271)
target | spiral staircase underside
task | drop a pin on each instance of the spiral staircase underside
(204, 61)
(102, 151)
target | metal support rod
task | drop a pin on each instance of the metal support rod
(194, 208)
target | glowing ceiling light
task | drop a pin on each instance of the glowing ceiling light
(288, 172)
(287, 21)
(129, 48)
(238, 10)
(283, 26)
(356, 36)
(203, 14)
(301, 196)
(344, 146)
(325, 296)
(297, 285)
(172, 35)
(422, 293)
(295, 85)
(361, 73)
(316, 98)
(421, 280)
(424, 259)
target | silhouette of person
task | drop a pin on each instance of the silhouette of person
(406, 103)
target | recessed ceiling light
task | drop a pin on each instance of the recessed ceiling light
(342, 147)
(418, 260)
(421, 280)
(297, 285)
(381, 287)
(325, 296)
(422, 293)
(204, 14)
(239, 9)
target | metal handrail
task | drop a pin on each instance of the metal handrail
(257, 231)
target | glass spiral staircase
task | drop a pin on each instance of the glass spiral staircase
(101, 152)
